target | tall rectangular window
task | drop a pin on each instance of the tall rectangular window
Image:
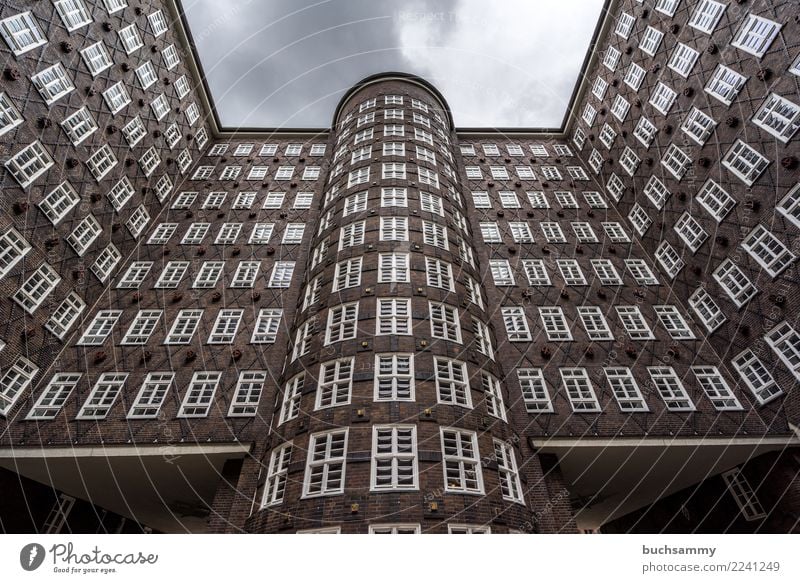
(580, 391)
(626, 390)
(510, 485)
(16, 379)
(151, 395)
(452, 382)
(394, 377)
(461, 461)
(534, 390)
(393, 316)
(325, 464)
(394, 458)
(36, 288)
(277, 476)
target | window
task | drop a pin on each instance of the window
(73, 13)
(445, 323)
(245, 274)
(690, 231)
(394, 229)
(509, 199)
(313, 292)
(669, 259)
(36, 288)
(65, 315)
(394, 377)
(756, 35)
(439, 274)
(715, 200)
(698, 126)
(171, 276)
(639, 218)
(158, 24)
(130, 38)
(79, 126)
(53, 397)
(290, 407)
(393, 268)
(534, 390)
(351, 235)
(538, 199)
(277, 476)
(394, 529)
(101, 162)
(87, 231)
(468, 529)
(274, 200)
(431, 203)
(452, 382)
(9, 116)
(641, 272)
(348, 274)
(607, 137)
(551, 173)
(624, 25)
(676, 161)
(501, 272)
(281, 274)
(571, 272)
(645, 131)
(461, 461)
(673, 322)
(615, 232)
(394, 458)
(683, 59)
(785, 342)
(516, 324)
(536, 272)
(104, 393)
(52, 83)
(29, 163)
(634, 323)
(490, 233)
(706, 16)
(342, 323)
(113, 6)
(21, 33)
(756, 376)
(670, 387)
(555, 324)
(335, 383)
(134, 131)
(589, 114)
(706, 309)
(355, 203)
(184, 327)
(434, 234)
(266, 327)
(598, 89)
(595, 323)
(521, 232)
(135, 275)
(611, 58)
(100, 328)
(182, 90)
(629, 161)
(325, 466)
(735, 283)
(725, 84)
(106, 261)
(662, 98)
(768, 251)
(96, 58)
(778, 116)
(651, 40)
(743, 493)
(196, 233)
(580, 391)
(584, 232)
(200, 394)
(225, 327)
(293, 235)
(716, 388)
(151, 395)
(745, 162)
(149, 161)
(244, 200)
(394, 197)
(626, 390)
(510, 486)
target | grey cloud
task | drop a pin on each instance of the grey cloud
(286, 63)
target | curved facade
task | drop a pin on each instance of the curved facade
(394, 325)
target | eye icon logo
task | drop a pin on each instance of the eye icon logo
(31, 556)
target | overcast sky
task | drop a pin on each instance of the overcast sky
(286, 63)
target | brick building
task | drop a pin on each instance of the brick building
(397, 325)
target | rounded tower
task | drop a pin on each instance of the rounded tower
(391, 414)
